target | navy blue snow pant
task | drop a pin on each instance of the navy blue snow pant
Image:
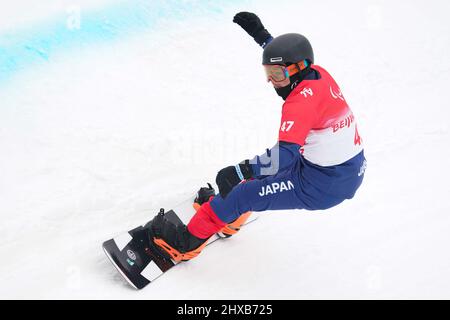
(302, 186)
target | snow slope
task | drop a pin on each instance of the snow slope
(110, 110)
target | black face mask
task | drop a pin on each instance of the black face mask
(284, 92)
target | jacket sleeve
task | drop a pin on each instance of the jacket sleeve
(280, 157)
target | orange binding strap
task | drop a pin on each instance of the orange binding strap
(177, 255)
(235, 226)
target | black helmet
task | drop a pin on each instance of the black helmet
(288, 48)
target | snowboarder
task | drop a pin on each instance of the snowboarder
(317, 163)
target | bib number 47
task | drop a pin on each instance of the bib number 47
(286, 126)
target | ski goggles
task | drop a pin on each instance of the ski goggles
(278, 73)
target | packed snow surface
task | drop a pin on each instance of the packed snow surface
(110, 110)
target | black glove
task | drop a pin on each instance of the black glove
(228, 177)
(253, 26)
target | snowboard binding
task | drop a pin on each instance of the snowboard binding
(204, 195)
(173, 239)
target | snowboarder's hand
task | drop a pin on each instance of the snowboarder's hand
(231, 176)
(253, 26)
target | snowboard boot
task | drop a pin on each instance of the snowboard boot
(205, 194)
(175, 241)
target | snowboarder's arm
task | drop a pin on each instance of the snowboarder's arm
(231, 176)
(251, 23)
(279, 157)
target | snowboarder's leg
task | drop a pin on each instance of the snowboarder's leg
(275, 192)
(176, 242)
(233, 227)
(205, 195)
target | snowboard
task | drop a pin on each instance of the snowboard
(138, 259)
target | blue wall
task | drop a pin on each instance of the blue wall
(34, 44)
